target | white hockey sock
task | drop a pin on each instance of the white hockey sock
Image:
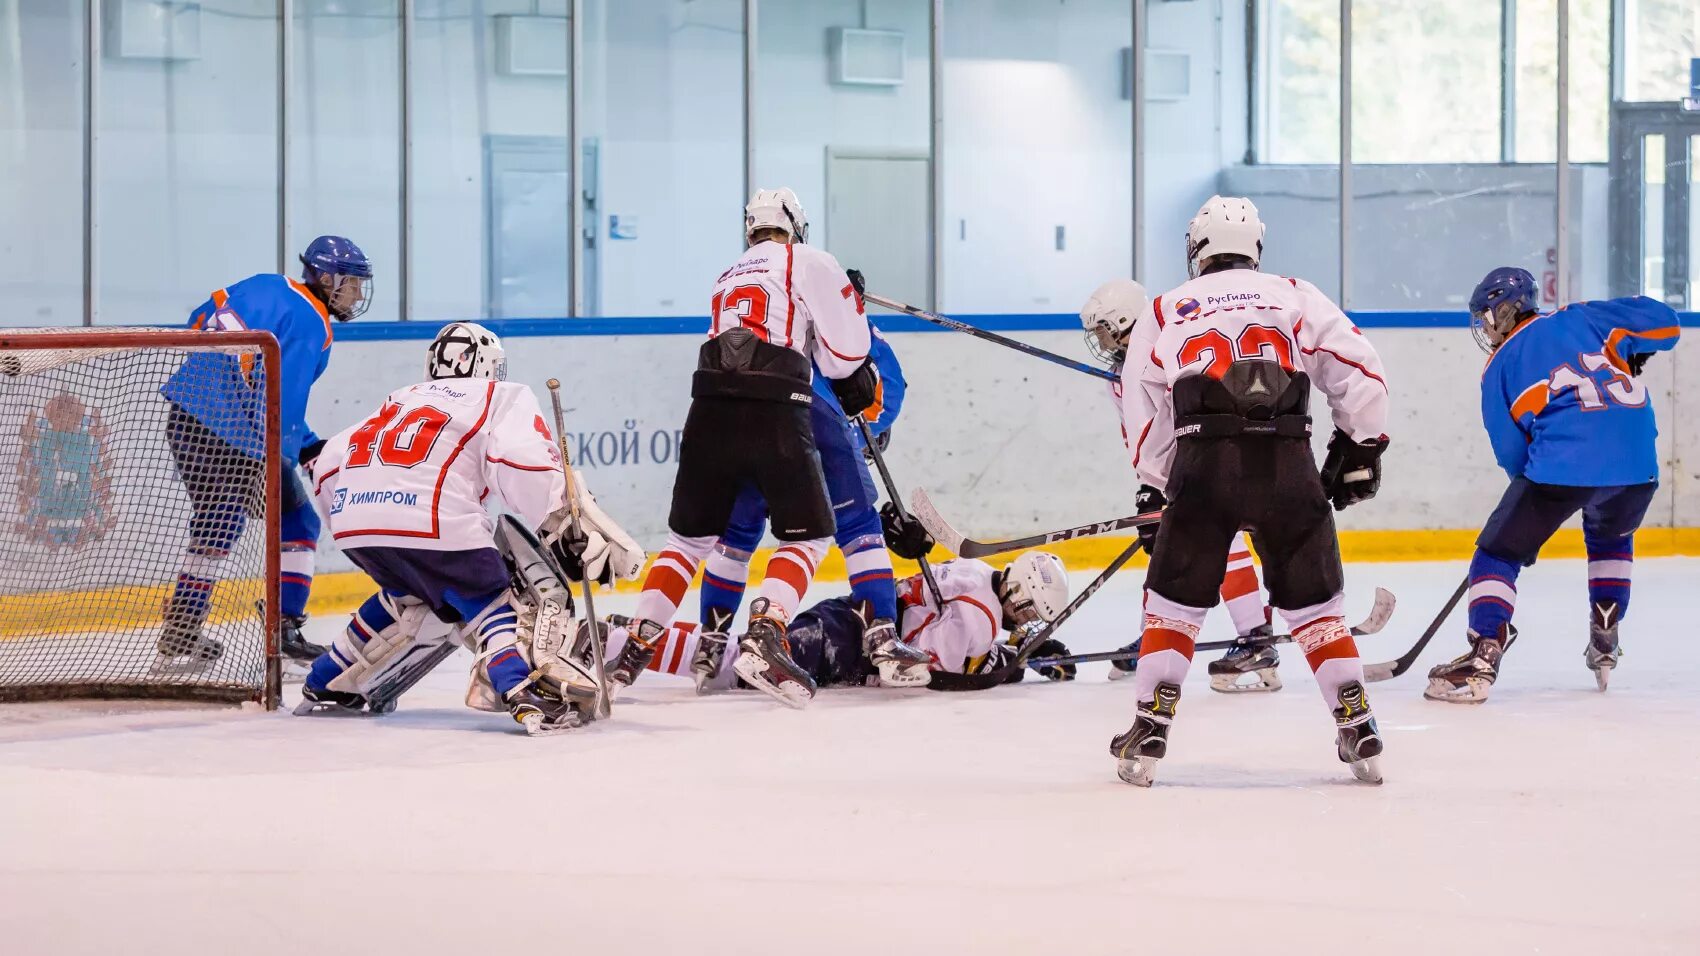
(789, 572)
(671, 576)
(1165, 647)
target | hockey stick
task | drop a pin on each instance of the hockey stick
(891, 489)
(953, 539)
(944, 681)
(1371, 624)
(1399, 665)
(993, 337)
(604, 706)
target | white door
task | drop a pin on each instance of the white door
(878, 221)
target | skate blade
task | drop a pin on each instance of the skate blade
(308, 708)
(1602, 676)
(535, 727)
(895, 675)
(180, 665)
(1117, 673)
(1264, 681)
(754, 672)
(1474, 691)
(1139, 771)
(1368, 770)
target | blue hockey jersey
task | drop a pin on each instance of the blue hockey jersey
(1558, 401)
(892, 386)
(225, 397)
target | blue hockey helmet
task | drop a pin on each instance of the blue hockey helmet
(339, 274)
(1502, 300)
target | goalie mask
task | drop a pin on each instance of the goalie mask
(466, 350)
(1108, 318)
(776, 209)
(1034, 588)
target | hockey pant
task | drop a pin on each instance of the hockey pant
(1528, 514)
(1269, 486)
(850, 489)
(225, 487)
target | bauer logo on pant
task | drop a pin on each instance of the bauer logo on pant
(64, 484)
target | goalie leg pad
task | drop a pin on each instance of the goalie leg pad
(380, 638)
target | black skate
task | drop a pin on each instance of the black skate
(1603, 651)
(899, 663)
(292, 645)
(330, 703)
(1120, 669)
(1466, 678)
(639, 650)
(1147, 741)
(183, 648)
(542, 716)
(1357, 740)
(764, 660)
(1257, 661)
(710, 654)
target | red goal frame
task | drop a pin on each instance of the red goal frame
(75, 338)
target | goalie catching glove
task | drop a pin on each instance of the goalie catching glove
(602, 546)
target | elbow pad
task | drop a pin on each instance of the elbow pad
(858, 390)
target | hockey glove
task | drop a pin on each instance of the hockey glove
(1352, 471)
(1637, 362)
(861, 286)
(309, 455)
(1052, 648)
(904, 536)
(1149, 499)
(859, 390)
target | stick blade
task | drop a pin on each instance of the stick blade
(1385, 603)
(1376, 673)
(922, 508)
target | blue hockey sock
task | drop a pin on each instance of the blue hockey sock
(725, 574)
(1493, 592)
(498, 625)
(368, 620)
(871, 577)
(1610, 561)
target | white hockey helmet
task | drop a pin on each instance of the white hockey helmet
(1109, 315)
(1034, 588)
(1225, 225)
(466, 350)
(776, 209)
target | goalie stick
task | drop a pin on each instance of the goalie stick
(989, 336)
(604, 704)
(1371, 624)
(941, 680)
(1399, 665)
(953, 540)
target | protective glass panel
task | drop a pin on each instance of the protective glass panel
(1425, 82)
(1535, 46)
(1660, 38)
(1653, 216)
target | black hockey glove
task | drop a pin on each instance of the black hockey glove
(1149, 499)
(904, 536)
(1637, 362)
(859, 390)
(857, 282)
(310, 454)
(1352, 471)
(1052, 648)
(882, 441)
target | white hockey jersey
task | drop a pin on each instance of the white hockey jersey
(968, 624)
(1208, 322)
(794, 296)
(421, 472)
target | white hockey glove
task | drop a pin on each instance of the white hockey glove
(607, 550)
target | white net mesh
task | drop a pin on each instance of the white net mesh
(134, 515)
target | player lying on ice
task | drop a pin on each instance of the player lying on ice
(1118, 322)
(1221, 411)
(406, 494)
(968, 635)
(858, 536)
(1573, 427)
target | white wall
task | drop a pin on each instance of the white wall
(1010, 444)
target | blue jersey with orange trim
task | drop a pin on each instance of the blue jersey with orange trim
(1559, 403)
(225, 397)
(892, 386)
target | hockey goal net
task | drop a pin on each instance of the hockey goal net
(139, 483)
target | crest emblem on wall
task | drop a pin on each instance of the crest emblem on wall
(64, 475)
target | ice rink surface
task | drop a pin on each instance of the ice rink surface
(1553, 819)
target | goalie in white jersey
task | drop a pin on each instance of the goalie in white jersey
(406, 494)
(1220, 424)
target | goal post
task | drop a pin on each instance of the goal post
(140, 497)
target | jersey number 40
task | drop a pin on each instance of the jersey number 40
(397, 444)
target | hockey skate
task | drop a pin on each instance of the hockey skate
(293, 646)
(899, 663)
(1357, 740)
(1466, 678)
(710, 654)
(1147, 741)
(330, 703)
(183, 648)
(1603, 651)
(764, 659)
(1256, 661)
(543, 716)
(639, 650)
(1119, 668)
